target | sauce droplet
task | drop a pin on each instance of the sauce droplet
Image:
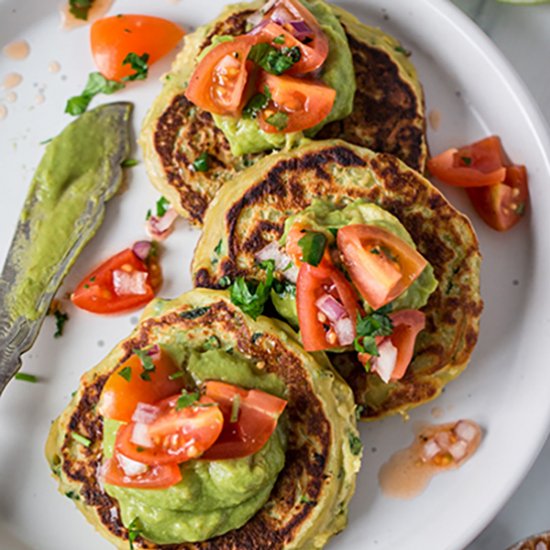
(3, 112)
(11, 97)
(11, 80)
(435, 449)
(434, 118)
(17, 50)
(69, 21)
(54, 67)
(39, 99)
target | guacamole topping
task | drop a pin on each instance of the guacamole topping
(323, 216)
(213, 497)
(245, 135)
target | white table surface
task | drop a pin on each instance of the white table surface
(523, 35)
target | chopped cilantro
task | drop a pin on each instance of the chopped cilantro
(313, 246)
(194, 313)
(60, 319)
(80, 8)
(202, 164)
(126, 373)
(279, 40)
(278, 120)
(176, 375)
(134, 530)
(235, 408)
(369, 327)
(218, 248)
(466, 160)
(355, 444)
(129, 163)
(273, 60)
(146, 362)
(186, 399)
(213, 342)
(163, 204)
(257, 103)
(402, 50)
(225, 281)
(138, 64)
(333, 231)
(81, 439)
(252, 297)
(148, 215)
(97, 84)
(24, 377)
(304, 499)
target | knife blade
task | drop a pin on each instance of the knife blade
(49, 218)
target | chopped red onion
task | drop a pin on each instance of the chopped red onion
(443, 439)
(384, 364)
(129, 284)
(131, 468)
(331, 307)
(283, 263)
(140, 436)
(466, 430)
(258, 16)
(258, 22)
(345, 331)
(458, 450)
(142, 249)
(159, 228)
(430, 449)
(301, 30)
(145, 413)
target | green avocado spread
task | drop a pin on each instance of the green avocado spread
(213, 497)
(323, 216)
(245, 135)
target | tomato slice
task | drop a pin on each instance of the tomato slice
(219, 80)
(257, 415)
(176, 435)
(302, 26)
(381, 265)
(125, 388)
(120, 284)
(302, 103)
(314, 282)
(113, 38)
(311, 58)
(407, 324)
(156, 477)
(477, 165)
(501, 206)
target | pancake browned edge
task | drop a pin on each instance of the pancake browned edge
(249, 213)
(388, 114)
(310, 499)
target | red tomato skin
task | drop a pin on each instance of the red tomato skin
(308, 290)
(158, 477)
(120, 397)
(96, 292)
(113, 38)
(502, 206)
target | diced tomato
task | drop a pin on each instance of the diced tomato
(176, 435)
(120, 284)
(302, 26)
(381, 265)
(294, 250)
(257, 414)
(113, 38)
(156, 477)
(501, 206)
(302, 102)
(314, 282)
(407, 324)
(477, 165)
(126, 387)
(219, 80)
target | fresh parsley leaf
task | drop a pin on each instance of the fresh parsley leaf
(273, 60)
(187, 399)
(81, 439)
(80, 8)
(24, 377)
(138, 64)
(126, 373)
(313, 246)
(202, 163)
(163, 204)
(355, 444)
(96, 84)
(257, 103)
(278, 120)
(252, 297)
(60, 319)
(129, 163)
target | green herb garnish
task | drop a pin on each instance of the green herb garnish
(235, 408)
(138, 64)
(194, 313)
(355, 445)
(369, 327)
(60, 319)
(176, 375)
(273, 60)
(81, 439)
(466, 160)
(279, 40)
(163, 204)
(129, 163)
(202, 164)
(24, 377)
(146, 362)
(97, 84)
(252, 297)
(402, 50)
(520, 209)
(278, 120)
(80, 8)
(187, 399)
(134, 530)
(257, 103)
(126, 373)
(313, 246)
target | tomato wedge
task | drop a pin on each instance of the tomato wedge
(219, 80)
(297, 103)
(247, 426)
(477, 165)
(300, 25)
(501, 206)
(318, 333)
(120, 284)
(155, 477)
(125, 388)
(176, 435)
(113, 38)
(381, 265)
(407, 324)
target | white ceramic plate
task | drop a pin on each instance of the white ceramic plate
(506, 387)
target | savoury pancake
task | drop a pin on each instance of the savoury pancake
(388, 114)
(309, 501)
(250, 212)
